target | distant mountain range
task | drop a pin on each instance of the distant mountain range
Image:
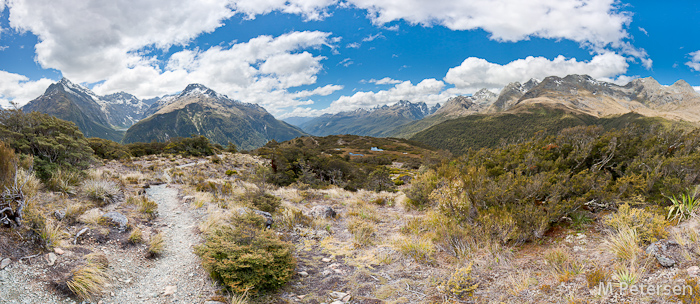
(377, 122)
(197, 110)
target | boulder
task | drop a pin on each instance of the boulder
(116, 219)
(322, 211)
(665, 252)
(4, 263)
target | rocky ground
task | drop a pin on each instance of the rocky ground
(334, 265)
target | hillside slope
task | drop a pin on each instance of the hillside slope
(200, 111)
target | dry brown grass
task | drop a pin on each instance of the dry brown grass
(156, 245)
(88, 281)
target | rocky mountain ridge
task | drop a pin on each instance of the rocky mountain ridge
(373, 122)
(198, 110)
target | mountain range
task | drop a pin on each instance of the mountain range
(197, 110)
(201, 111)
(377, 122)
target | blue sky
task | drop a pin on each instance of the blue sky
(308, 57)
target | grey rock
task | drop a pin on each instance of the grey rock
(4, 263)
(51, 258)
(337, 295)
(303, 274)
(693, 271)
(663, 252)
(79, 234)
(59, 215)
(188, 199)
(117, 219)
(213, 302)
(322, 211)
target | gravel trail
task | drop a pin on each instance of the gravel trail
(176, 276)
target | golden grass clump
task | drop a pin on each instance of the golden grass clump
(64, 181)
(136, 236)
(101, 190)
(362, 232)
(52, 234)
(421, 250)
(29, 182)
(156, 245)
(624, 243)
(563, 263)
(88, 281)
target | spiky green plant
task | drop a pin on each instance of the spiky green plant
(684, 206)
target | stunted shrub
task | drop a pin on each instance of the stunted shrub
(245, 257)
(266, 202)
(421, 187)
(461, 284)
(596, 276)
(649, 227)
(101, 190)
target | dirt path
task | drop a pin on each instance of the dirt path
(176, 276)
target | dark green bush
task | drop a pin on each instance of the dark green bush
(245, 257)
(53, 142)
(266, 202)
(107, 149)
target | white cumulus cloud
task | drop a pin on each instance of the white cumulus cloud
(598, 22)
(310, 9)
(258, 71)
(19, 89)
(428, 91)
(385, 80)
(694, 62)
(476, 73)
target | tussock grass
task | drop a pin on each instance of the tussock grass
(629, 275)
(101, 190)
(290, 217)
(29, 182)
(88, 281)
(136, 236)
(239, 298)
(421, 250)
(156, 245)
(215, 217)
(52, 234)
(362, 232)
(98, 259)
(563, 264)
(64, 181)
(148, 207)
(133, 178)
(624, 243)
